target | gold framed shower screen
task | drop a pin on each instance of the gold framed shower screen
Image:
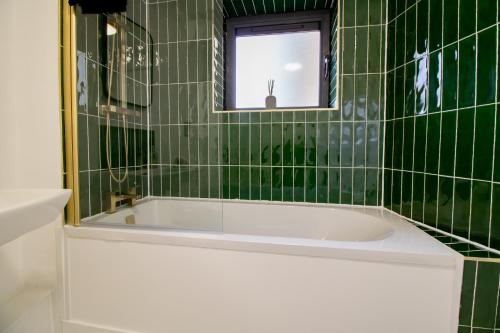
(69, 109)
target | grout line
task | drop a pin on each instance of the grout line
(366, 104)
(496, 306)
(474, 296)
(458, 114)
(493, 164)
(440, 106)
(474, 123)
(353, 134)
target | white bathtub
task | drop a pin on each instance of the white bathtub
(203, 266)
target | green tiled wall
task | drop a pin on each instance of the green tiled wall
(442, 115)
(95, 180)
(312, 156)
(480, 297)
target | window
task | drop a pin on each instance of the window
(278, 61)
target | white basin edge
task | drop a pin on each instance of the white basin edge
(24, 210)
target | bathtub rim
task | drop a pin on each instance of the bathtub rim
(374, 212)
(425, 251)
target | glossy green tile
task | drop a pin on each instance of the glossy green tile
(461, 208)
(361, 50)
(486, 66)
(362, 12)
(374, 97)
(277, 144)
(450, 34)
(410, 34)
(450, 75)
(377, 8)
(408, 143)
(396, 191)
(311, 144)
(266, 183)
(401, 6)
(391, 46)
(420, 142)
(433, 135)
(467, 71)
(348, 51)
(392, 10)
(406, 194)
(467, 22)
(435, 24)
(334, 185)
(346, 186)
(435, 81)
(400, 39)
(448, 142)
(346, 153)
(359, 159)
(483, 142)
(387, 193)
(373, 191)
(277, 184)
(358, 191)
(445, 204)
(299, 184)
(360, 89)
(485, 295)
(495, 217)
(430, 200)
(398, 144)
(349, 11)
(467, 294)
(288, 144)
(465, 136)
(399, 96)
(421, 86)
(310, 184)
(334, 144)
(204, 182)
(389, 145)
(265, 144)
(255, 183)
(322, 158)
(486, 13)
(422, 27)
(288, 184)
(373, 137)
(480, 212)
(410, 72)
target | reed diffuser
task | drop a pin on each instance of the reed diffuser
(270, 100)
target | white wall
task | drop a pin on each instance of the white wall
(30, 143)
(30, 132)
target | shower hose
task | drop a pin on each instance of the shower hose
(117, 179)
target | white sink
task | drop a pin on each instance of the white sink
(24, 210)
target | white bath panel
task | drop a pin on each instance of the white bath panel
(152, 281)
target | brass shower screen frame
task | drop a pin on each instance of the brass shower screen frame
(69, 111)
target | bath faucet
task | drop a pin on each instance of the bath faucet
(130, 198)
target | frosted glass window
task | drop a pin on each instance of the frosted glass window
(291, 59)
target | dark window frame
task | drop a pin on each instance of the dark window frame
(276, 24)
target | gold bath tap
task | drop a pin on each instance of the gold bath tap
(114, 198)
